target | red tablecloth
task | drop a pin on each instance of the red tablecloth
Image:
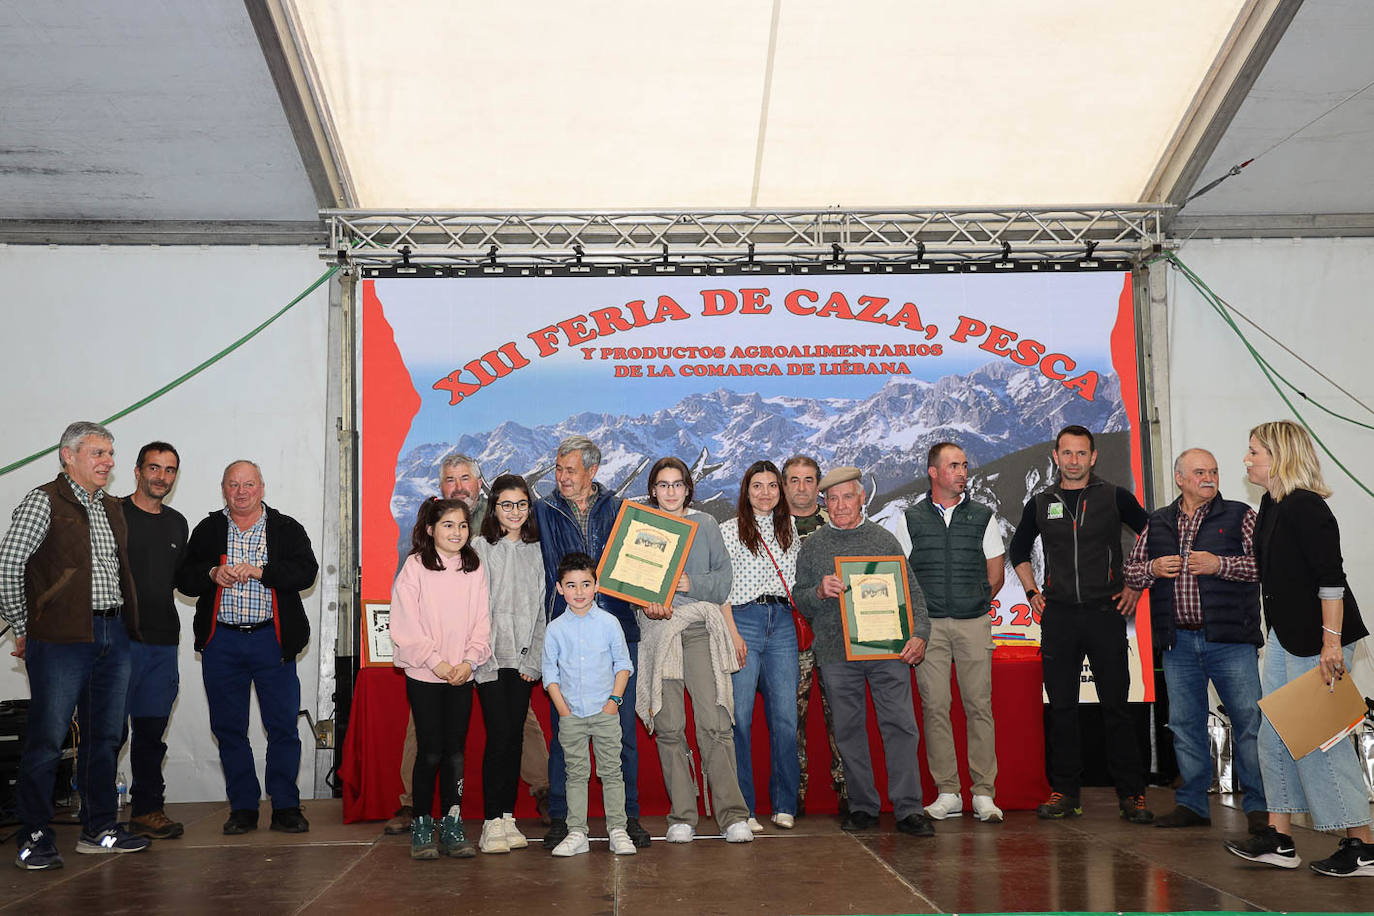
(370, 768)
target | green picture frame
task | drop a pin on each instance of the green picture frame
(875, 606)
(644, 554)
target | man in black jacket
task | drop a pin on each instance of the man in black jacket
(1197, 558)
(247, 564)
(1083, 613)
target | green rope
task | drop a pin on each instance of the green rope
(1266, 368)
(192, 373)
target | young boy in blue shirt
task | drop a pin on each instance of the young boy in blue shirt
(586, 668)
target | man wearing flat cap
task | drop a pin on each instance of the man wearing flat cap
(817, 594)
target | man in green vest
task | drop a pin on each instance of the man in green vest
(955, 551)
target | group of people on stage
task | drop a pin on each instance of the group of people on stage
(498, 590)
(86, 583)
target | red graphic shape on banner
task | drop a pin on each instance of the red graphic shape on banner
(1124, 362)
(389, 404)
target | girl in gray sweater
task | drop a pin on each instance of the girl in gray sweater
(509, 549)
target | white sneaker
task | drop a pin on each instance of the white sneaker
(493, 837)
(947, 805)
(739, 832)
(754, 825)
(574, 844)
(784, 820)
(985, 810)
(681, 833)
(514, 837)
(621, 844)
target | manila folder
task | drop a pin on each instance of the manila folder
(1307, 713)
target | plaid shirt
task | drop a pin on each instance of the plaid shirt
(27, 532)
(1187, 601)
(246, 602)
(584, 516)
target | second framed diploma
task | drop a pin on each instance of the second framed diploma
(645, 554)
(875, 606)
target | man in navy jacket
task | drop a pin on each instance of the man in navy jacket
(1197, 558)
(577, 517)
(247, 565)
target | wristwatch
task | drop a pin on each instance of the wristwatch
(619, 701)
(1031, 593)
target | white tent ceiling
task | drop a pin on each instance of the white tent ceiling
(184, 119)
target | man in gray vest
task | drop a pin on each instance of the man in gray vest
(956, 554)
(66, 588)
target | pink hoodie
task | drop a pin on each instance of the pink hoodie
(438, 616)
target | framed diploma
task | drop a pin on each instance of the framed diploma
(645, 554)
(376, 634)
(875, 606)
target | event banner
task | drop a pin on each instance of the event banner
(851, 369)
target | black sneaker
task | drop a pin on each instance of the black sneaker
(558, 829)
(1353, 858)
(916, 825)
(37, 852)
(638, 835)
(1059, 805)
(858, 820)
(241, 820)
(1269, 847)
(289, 820)
(1133, 809)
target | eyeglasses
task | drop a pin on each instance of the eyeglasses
(508, 506)
(671, 485)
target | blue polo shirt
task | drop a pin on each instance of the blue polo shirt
(582, 655)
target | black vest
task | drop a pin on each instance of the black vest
(1230, 610)
(948, 561)
(1082, 548)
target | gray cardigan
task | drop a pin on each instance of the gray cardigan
(515, 581)
(817, 560)
(708, 565)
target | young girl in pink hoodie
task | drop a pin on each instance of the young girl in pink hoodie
(440, 627)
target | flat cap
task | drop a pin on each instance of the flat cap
(840, 475)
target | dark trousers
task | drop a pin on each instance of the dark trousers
(1068, 633)
(153, 685)
(629, 752)
(441, 714)
(504, 704)
(235, 665)
(90, 679)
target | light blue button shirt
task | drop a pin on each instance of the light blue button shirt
(582, 656)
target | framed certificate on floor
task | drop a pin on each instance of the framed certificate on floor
(645, 554)
(875, 606)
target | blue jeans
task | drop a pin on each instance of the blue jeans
(1326, 783)
(629, 751)
(1234, 669)
(770, 668)
(153, 684)
(91, 678)
(232, 663)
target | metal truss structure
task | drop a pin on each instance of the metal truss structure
(415, 243)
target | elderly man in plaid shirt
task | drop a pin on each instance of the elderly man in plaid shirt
(1197, 558)
(247, 565)
(66, 589)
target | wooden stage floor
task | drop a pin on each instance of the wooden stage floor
(1097, 863)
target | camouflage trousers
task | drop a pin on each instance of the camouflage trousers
(806, 671)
